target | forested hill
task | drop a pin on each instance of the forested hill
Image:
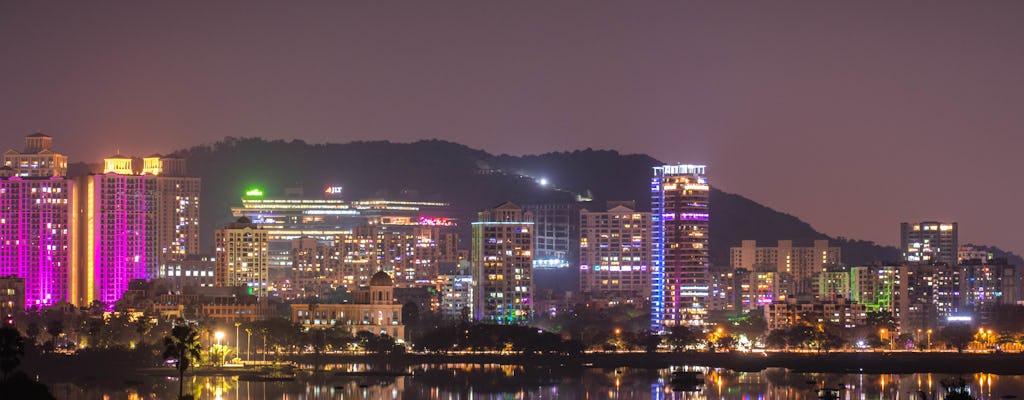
(471, 180)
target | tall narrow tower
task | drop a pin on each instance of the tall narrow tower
(679, 235)
(503, 265)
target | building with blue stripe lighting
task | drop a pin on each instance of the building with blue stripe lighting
(679, 234)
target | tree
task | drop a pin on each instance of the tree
(679, 337)
(12, 348)
(33, 331)
(55, 328)
(777, 339)
(183, 347)
(142, 327)
(957, 335)
(725, 343)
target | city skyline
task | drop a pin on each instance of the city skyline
(832, 97)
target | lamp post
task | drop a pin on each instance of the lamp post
(248, 340)
(929, 340)
(917, 340)
(881, 333)
(237, 352)
(218, 335)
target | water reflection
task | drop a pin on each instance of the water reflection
(492, 381)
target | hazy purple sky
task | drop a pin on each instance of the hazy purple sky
(851, 115)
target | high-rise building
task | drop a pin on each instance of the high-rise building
(615, 254)
(970, 254)
(556, 234)
(409, 249)
(314, 268)
(38, 160)
(242, 258)
(929, 242)
(989, 282)
(325, 217)
(115, 211)
(502, 262)
(456, 293)
(173, 211)
(37, 237)
(929, 295)
(877, 287)
(679, 233)
(804, 263)
(833, 282)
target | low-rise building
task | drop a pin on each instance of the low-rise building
(374, 309)
(834, 311)
(12, 295)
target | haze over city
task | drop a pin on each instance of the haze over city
(852, 116)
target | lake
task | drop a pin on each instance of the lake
(506, 382)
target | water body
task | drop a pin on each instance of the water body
(507, 382)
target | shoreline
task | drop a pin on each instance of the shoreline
(842, 362)
(57, 368)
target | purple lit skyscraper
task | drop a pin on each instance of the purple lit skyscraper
(35, 240)
(116, 232)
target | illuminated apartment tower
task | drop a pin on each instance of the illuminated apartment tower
(114, 237)
(37, 233)
(502, 262)
(314, 267)
(242, 257)
(615, 255)
(803, 263)
(37, 160)
(929, 242)
(173, 207)
(409, 249)
(679, 232)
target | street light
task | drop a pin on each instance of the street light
(237, 346)
(218, 335)
(929, 340)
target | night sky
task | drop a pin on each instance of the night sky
(854, 116)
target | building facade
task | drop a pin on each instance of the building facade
(115, 230)
(556, 234)
(374, 310)
(38, 160)
(929, 242)
(502, 263)
(242, 258)
(615, 255)
(173, 212)
(836, 311)
(38, 228)
(679, 241)
(804, 263)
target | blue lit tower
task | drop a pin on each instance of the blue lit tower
(679, 233)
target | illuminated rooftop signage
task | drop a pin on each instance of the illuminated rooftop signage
(332, 190)
(681, 169)
(254, 192)
(436, 221)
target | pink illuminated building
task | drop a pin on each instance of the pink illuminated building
(36, 229)
(114, 232)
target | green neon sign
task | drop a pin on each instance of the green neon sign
(254, 192)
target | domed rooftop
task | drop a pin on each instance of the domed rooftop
(381, 278)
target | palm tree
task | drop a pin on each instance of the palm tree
(182, 346)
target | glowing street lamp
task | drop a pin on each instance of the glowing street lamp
(218, 335)
(929, 339)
